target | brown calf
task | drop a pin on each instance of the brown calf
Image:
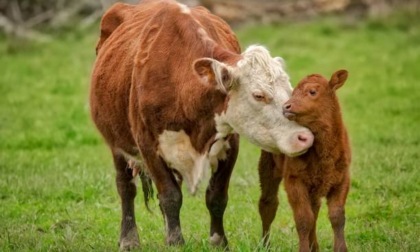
(323, 171)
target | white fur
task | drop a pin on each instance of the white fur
(262, 123)
(176, 149)
(220, 146)
(184, 8)
(218, 152)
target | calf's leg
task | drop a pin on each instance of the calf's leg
(217, 194)
(336, 200)
(300, 202)
(129, 237)
(270, 178)
(313, 242)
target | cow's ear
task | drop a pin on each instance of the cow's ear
(213, 72)
(338, 78)
(281, 61)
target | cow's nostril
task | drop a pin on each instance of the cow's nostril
(305, 139)
(302, 138)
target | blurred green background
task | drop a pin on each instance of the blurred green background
(57, 189)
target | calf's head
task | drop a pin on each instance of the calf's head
(314, 98)
(256, 86)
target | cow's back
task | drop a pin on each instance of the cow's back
(147, 50)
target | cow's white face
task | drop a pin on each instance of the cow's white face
(257, 87)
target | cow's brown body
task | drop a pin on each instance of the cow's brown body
(143, 83)
(323, 171)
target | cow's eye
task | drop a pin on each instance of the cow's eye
(312, 92)
(259, 96)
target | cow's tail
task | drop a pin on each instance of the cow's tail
(147, 187)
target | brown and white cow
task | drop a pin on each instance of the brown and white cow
(170, 93)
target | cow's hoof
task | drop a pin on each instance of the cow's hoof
(175, 241)
(174, 237)
(130, 241)
(129, 245)
(218, 241)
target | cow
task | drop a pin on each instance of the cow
(170, 93)
(323, 171)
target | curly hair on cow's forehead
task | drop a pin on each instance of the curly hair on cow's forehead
(257, 55)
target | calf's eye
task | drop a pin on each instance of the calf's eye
(312, 92)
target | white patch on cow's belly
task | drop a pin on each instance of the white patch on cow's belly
(176, 149)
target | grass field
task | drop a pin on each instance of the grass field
(57, 189)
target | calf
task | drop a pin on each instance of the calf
(170, 92)
(323, 171)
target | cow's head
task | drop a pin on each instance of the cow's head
(257, 86)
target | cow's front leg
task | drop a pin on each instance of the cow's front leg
(170, 201)
(129, 237)
(217, 193)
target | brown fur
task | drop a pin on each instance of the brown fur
(321, 172)
(143, 83)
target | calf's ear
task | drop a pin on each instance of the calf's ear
(214, 73)
(338, 78)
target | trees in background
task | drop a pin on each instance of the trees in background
(25, 18)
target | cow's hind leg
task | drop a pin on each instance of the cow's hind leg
(270, 178)
(129, 237)
(217, 194)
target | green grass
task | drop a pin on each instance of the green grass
(57, 187)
